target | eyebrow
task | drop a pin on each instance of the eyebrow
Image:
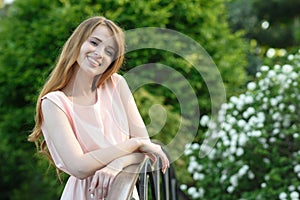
(94, 37)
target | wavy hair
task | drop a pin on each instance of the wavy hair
(64, 70)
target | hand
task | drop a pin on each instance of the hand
(154, 150)
(103, 179)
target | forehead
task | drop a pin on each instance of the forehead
(104, 34)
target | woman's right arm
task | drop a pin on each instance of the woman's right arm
(78, 163)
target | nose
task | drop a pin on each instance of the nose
(99, 51)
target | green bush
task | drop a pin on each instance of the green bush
(257, 153)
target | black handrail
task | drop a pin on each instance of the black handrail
(148, 179)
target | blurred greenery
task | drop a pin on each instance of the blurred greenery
(257, 154)
(32, 33)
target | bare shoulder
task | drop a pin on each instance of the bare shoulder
(48, 107)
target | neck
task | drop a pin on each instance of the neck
(81, 88)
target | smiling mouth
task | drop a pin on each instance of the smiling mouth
(93, 62)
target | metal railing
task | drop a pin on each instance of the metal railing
(151, 183)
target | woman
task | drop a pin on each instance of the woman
(86, 119)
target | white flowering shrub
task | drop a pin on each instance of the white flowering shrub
(257, 154)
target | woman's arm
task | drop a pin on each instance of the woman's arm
(78, 163)
(104, 178)
(137, 128)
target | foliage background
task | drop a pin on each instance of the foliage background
(32, 33)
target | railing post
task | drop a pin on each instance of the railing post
(155, 180)
(143, 181)
(141, 175)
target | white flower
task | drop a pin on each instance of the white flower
(294, 195)
(292, 108)
(282, 196)
(281, 78)
(248, 99)
(230, 189)
(261, 116)
(239, 151)
(198, 176)
(204, 120)
(267, 177)
(292, 188)
(277, 116)
(242, 139)
(243, 170)
(234, 180)
(287, 69)
(266, 160)
(294, 76)
(231, 119)
(271, 74)
(287, 121)
(273, 101)
(291, 57)
(188, 152)
(226, 126)
(200, 167)
(195, 146)
(223, 178)
(281, 106)
(226, 142)
(255, 133)
(241, 123)
(277, 67)
(297, 168)
(196, 195)
(183, 187)
(275, 131)
(234, 99)
(201, 192)
(251, 86)
(193, 165)
(192, 190)
(258, 74)
(251, 175)
(192, 158)
(190, 169)
(271, 52)
(232, 149)
(263, 185)
(272, 139)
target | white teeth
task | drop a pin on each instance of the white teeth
(93, 61)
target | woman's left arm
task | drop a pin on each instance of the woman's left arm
(137, 128)
(103, 178)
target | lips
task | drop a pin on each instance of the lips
(93, 62)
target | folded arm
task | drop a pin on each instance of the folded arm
(78, 163)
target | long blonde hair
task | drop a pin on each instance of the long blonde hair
(64, 70)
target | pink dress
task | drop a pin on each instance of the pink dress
(97, 126)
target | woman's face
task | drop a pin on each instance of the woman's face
(97, 52)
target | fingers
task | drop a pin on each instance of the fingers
(163, 157)
(165, 161)
(101, 184)
(94, 184)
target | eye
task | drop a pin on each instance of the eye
(93, 42)
(109, 52)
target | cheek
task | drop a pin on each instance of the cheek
(82, 52)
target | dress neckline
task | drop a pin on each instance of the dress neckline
(79, 105)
